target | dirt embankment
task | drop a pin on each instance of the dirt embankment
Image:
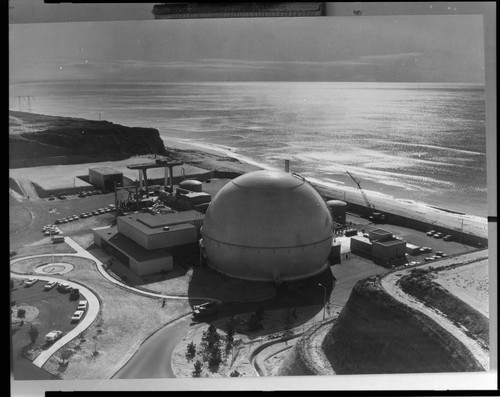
(376, 334)
(306, 357)
(421, 286)
(39, 139)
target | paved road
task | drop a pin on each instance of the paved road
(153, 359)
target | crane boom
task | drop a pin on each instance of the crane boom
(355, 180)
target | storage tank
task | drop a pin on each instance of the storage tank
(267, 226)
(191, 185)
(337, 210)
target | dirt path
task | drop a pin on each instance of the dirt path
(389, 284)
(28, 188)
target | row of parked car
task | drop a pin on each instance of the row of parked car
(436, 234)
(54, 335)
(63, 196)
(83, 215)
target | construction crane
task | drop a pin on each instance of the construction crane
(375, 217)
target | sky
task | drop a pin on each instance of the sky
(418, 48)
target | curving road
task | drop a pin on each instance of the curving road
(153, 359)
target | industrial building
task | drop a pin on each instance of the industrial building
(105, 178)
(267, 226)
(381, 247)
(338, 210)
(141, 240)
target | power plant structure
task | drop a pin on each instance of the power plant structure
(267, 226)
(338, 210)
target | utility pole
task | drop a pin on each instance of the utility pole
(324, 300)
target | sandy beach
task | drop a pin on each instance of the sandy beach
(224, 159)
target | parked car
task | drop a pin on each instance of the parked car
(49, 285)
(428, 259)
(95, 212)
(29, 282)
(112, 206)
(101, 210)
(77, 316)
(64, 288)
(438, 235)
(82, 305)
(448, 237)
(52, 336)
(51, 198)
(439, 253)
(58, 222)
(431, 232)
(62, 196)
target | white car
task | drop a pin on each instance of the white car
(82, 305)
(49, 285)
(52, 336)
(29, 282)
(77, 316)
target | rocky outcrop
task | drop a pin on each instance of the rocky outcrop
(38, 139)
(376, 334)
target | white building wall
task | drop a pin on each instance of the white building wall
(152, 266)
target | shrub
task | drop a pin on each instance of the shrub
(234, 374)
(197, 369)
(74, 295)
(191, 351)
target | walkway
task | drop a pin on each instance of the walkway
(100, 267)
(389, 283)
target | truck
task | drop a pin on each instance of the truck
(377, 217)
(205, 309)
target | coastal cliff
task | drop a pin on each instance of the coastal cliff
(376, 334)
(36, 139)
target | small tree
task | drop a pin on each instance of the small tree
(210, 341)
(74, 294)
(65, 356)
(21, 313)
(191, 351)
(197, 369)
(215, 359)
(33, 334)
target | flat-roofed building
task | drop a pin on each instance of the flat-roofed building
(140, 260)
(141, 240)
(388, 252)
(361, 246)
(412, 249)
(380, 235)
(105, 178)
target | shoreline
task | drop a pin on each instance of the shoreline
(216, 157)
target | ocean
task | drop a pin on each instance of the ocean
(413, 141)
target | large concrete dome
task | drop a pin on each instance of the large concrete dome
(267, 225)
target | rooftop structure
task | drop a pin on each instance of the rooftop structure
(268, 225)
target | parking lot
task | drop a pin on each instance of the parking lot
(55, 310)
(414, 237)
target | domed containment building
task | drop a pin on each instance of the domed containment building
(267, 226)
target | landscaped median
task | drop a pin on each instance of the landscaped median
(238, 359)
